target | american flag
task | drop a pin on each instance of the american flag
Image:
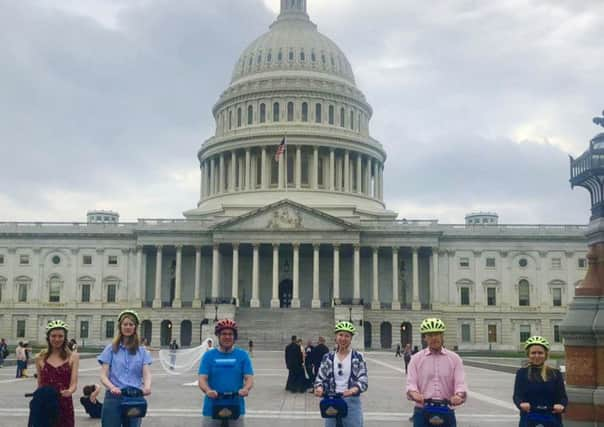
(280, 149)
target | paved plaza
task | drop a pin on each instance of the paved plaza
(176, 400)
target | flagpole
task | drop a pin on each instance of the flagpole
(285, 137)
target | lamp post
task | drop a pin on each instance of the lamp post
(583, 326)
(350, 314)
(216, 313)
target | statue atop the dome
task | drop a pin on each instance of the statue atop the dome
(599, 120)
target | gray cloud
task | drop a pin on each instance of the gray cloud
(477, 104)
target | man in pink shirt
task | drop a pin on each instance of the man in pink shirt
(435, 373)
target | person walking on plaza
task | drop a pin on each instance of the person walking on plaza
(250, 347)
(317, 354)
(398, 351)
(344, 371)
(173, 347)
(538, 384)
(435, 373)
(308, 366)
(407, 356)
(57, 367)
(295, 365)
(3, 351)
(20, 356)
(124, 363)
(225, 369)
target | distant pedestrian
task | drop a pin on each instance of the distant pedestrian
(73, 345)
(250, 347)
(173, 347)
(28, 351)
(407, 353)
(295, 365)
(398, 351)
(20, 356)
(3, 351)
(308, 365)
(90, 401)
(317, 354)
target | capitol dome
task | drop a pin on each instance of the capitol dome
(292, 85)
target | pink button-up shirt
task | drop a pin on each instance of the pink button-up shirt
(436, 375)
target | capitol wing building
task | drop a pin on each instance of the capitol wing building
(290, 233)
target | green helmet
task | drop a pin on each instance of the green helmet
(56, 324)
(536, 339)
(432, 325)
(345, 326)
(130, 312)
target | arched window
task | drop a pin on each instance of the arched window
(262, 113)
(318, 113)
(276, 112)
(342, 117)
(291, 55)
(269, 57)
(230, 120)
(259, 58)
(290, 111)
(239, 117)
(331, 115)
(280, 55)
(250, 114)
(524, 293)
(54, 288)
(313, 57)
(304, 112)
(352, 120)
(302, 56)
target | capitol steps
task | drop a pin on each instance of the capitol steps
(272, 328)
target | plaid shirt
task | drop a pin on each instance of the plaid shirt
(358, 373)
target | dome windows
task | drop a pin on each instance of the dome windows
(259, 58)
(351, 120)
(331, 115)
(250, 115)
(304, 112)
(302, 55)
(290, 111)
(239, 117)
(276, 112)
(291, 55)
(342, 114)
(280, 56)
(318, 113)
(313, 57)
(269, 57)
(262, 113)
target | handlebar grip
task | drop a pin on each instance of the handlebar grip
(29, 395)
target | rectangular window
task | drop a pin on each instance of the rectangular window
(491, 296)
(464, 262)
(556, 263)
(466, 335)
(465, 296)
(22, 292)
(1, 259)
(557, 297)
(87, 259)
(490, 262)
(24, 259)
(86, 292)
(112, 260)
(84, 329)
(20, 328)
(54, 293)
(581, 263)
(525, 332)
(557, 337)
(109, 328)
(492, 333)
(111, 293)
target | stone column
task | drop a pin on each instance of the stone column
(207, 177)
(396, 304)
(298, 176)
(315, 168)
(197, 294)
(255, 301)
(346, 171)
(415, 303)
(281, 169)
(139, 276)
(357, 272)
(296, 278)
(375, 300)
(275, 295)
(202, 181)
(359, 173)
(434, 299)
(233, 171)
(332, 171)
(177, 303)
(381, 174)
(213, 176)
(263, 173)
(336, 272)
(339, 166)
(222, 174)
(235, 274)
(368, 176)
(215, 270)
(158, 262)
(248, 175)
(316, 296)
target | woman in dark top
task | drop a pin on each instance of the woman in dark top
(538, 384)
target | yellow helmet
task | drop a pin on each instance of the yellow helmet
(345, 326)
(133, 313)
(56, 324)
(432, 325)
(536, 339)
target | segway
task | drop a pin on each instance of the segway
(437, 412)
(226, 406)
(541, 416)
(333, 405)
(132, 404)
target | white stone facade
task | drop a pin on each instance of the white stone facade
(307, 231)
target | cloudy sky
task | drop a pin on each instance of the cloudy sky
(104, 103)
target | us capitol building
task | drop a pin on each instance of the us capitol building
(290, 245)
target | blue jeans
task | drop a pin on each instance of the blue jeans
(355, 414)
(111, 416)
(419, 421)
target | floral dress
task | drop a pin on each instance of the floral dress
(59, 378)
